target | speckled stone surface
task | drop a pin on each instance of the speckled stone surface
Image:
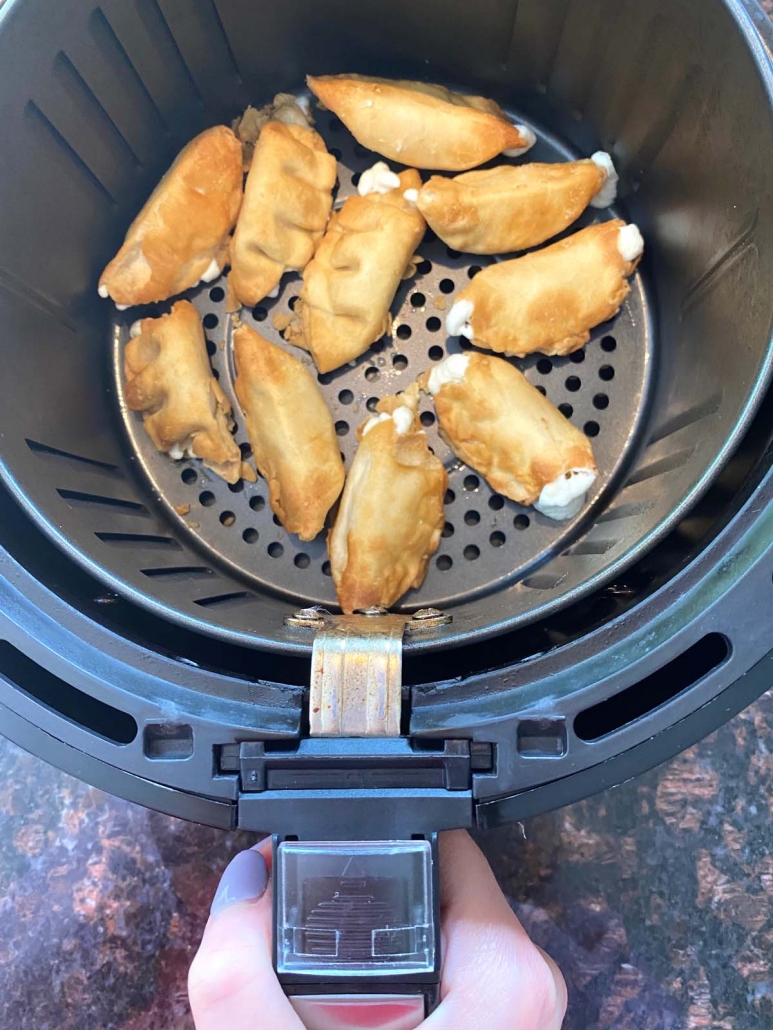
(655, 898)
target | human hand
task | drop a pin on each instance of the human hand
(493, 976)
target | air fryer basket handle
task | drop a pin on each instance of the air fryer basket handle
(356, 923)
(357, 931)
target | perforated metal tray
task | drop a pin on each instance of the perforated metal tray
(488, 541)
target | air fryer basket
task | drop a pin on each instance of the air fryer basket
(88, 135)
(97, 100)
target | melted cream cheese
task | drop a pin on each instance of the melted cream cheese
(608, 193)
(378, 179)
(211, 273)
(136, 329)
(452, 370)
(102, 291)
(530, 138)
(178, 451)
(411, 196)
(630, 243)
(565, 496)
(458, 319)
(402, 418)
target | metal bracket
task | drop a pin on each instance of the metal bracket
(356, 668)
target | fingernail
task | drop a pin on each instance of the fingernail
(245, 879)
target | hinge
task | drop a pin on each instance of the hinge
(357, 669)
(355, 774)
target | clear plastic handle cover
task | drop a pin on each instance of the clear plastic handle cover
(355, 910)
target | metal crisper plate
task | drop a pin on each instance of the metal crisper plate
(488, 540)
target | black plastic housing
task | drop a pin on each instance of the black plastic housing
(616, 656)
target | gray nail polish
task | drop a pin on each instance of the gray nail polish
(245, 879)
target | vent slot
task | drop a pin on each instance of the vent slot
(89, 111)
(655, 690)
(72, 158)
(168, 741)
(131, 85)
(544, 581)
(78, 499)
(210, 602)
(66, 700)
(138, 540)
(542, 738)
(179, 570)
(670, 463)
(54, 452)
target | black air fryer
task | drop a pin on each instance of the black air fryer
(157, 625)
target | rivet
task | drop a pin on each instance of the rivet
(427, 613)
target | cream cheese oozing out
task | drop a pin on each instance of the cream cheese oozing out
(378, 179)
(211, 273)
(528, 136)
(630, 243)
(458, 319)
(608, 193)
(402, 418)
(565, 496)
(178, 451)
(452, 370)
(103, 292)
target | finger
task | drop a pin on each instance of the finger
(492, 974)
(231, 982)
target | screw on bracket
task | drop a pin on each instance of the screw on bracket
(318, 618)
(313, 618)
(427, 618)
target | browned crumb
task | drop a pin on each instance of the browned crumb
(440, 302)
(182, 509)
(294, 333)
(193, 525)
(228, 520)
(282, 320)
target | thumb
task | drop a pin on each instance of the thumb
(493, 976)
(231, 982)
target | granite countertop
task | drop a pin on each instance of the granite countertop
(656, 898)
